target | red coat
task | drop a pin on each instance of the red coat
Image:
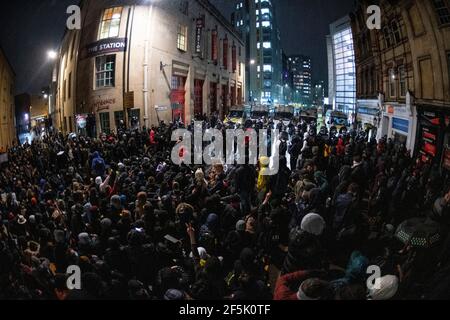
(152, 137)
(340, 148)
(282, 290)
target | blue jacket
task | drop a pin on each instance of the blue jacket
(98, 164)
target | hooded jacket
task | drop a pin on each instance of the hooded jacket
(98, 164)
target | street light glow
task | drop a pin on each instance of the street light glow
(51, 54)
(252, 61)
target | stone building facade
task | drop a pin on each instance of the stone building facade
(403, 74)
(7, 117)
(140, 63)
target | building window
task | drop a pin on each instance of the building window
(105, 125)
(392, 88)
(387, 37)
(118, 118)
(396, 32)
(345, 71)
(110, 25)
(442, 10)
(403, 81)
(182, 38)
(184, 7)
(134, 116)
(70, 86)
(105, 71)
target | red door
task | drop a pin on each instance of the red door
(178, 98)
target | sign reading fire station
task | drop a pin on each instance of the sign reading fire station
(105, 46)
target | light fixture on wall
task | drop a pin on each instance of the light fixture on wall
(162, 66)
(392, 73)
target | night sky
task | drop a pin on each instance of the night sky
(29, 28)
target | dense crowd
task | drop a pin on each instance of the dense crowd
(140, 227)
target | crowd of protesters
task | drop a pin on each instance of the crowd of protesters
(140, 227)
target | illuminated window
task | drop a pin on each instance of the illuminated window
(105, 71)
(182, 38)
(266, 24)
(265, 11)
(267, 45)
(267, 68)
(110, 24)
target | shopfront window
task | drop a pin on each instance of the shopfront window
(134, 116)
(118, 119)
(104, 122)
(400, 139)
(110, 24)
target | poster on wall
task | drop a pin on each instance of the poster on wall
(81, 121)
(429, 140)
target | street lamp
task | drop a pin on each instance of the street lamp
(252, 61)
(52, 55)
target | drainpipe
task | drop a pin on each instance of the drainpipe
(146, 62)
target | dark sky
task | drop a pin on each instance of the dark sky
(29, 28)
